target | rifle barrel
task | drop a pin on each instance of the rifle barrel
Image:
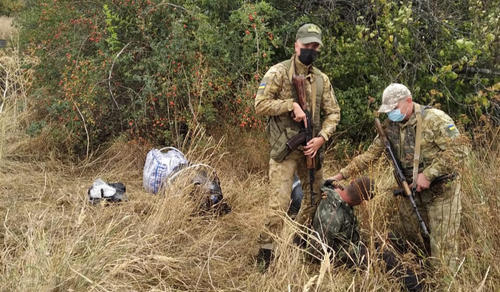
(425, 232)
(400, 177)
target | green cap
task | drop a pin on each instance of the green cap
(309, 33)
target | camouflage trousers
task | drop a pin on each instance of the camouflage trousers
(440, 208)
(281, 181)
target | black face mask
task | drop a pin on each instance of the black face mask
(307, 56)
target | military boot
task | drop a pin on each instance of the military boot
(264, 258)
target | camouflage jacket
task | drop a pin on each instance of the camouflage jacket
(440, 150)
(336, 224)
(275, 96)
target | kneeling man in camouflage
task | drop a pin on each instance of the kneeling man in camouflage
(337, 227)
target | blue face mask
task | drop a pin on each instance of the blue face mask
(396, 115)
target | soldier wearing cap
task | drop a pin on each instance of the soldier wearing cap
(275, 99)
(441, 149)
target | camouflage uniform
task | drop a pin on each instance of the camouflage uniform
(439, 205)
(275, 98)
(337, 225)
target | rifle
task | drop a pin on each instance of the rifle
(401, 179)
(437, 180)
(299, 82)
(297, 140)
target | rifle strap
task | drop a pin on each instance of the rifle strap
(314, 86)
(291, 71)
(418, 140)
(313, 96)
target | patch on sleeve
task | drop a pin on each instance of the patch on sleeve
(262, 86)
(451, 130)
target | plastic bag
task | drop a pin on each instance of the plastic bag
(100, 190)
(159, 165)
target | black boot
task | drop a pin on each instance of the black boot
(299, 241)
(264, 258)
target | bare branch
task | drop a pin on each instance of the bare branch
(111, 71)
(85, 127)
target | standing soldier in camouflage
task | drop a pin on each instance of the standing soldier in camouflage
(438, 200)
(276, 99)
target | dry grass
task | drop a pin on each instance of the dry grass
(5, 27)
(52, 239)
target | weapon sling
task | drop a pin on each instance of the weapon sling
(416, 162)
(418, 140)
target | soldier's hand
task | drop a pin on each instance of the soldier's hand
(337, 177)
(298, 114)
(422, 182)
(313, 146)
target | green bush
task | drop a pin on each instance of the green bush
(428, 50)
(148, 68)
(10, 7)
(154, 69)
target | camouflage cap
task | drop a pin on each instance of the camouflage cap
(393, 93)
(309, 33)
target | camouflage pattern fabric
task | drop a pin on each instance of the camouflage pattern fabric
(281, 181)
(441, 151)
(392, 94)
(440, 208)
(336, 224)
(274, 99)
(275, 96)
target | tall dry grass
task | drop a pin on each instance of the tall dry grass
(5, 27)
(52, 239)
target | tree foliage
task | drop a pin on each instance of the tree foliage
(154, 69)
(10, 7)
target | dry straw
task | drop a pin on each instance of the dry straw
(52, 239)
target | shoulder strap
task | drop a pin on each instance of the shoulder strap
(316, 91)
(418, 139)
(289, 68)
(291, 71)
(320, 82)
